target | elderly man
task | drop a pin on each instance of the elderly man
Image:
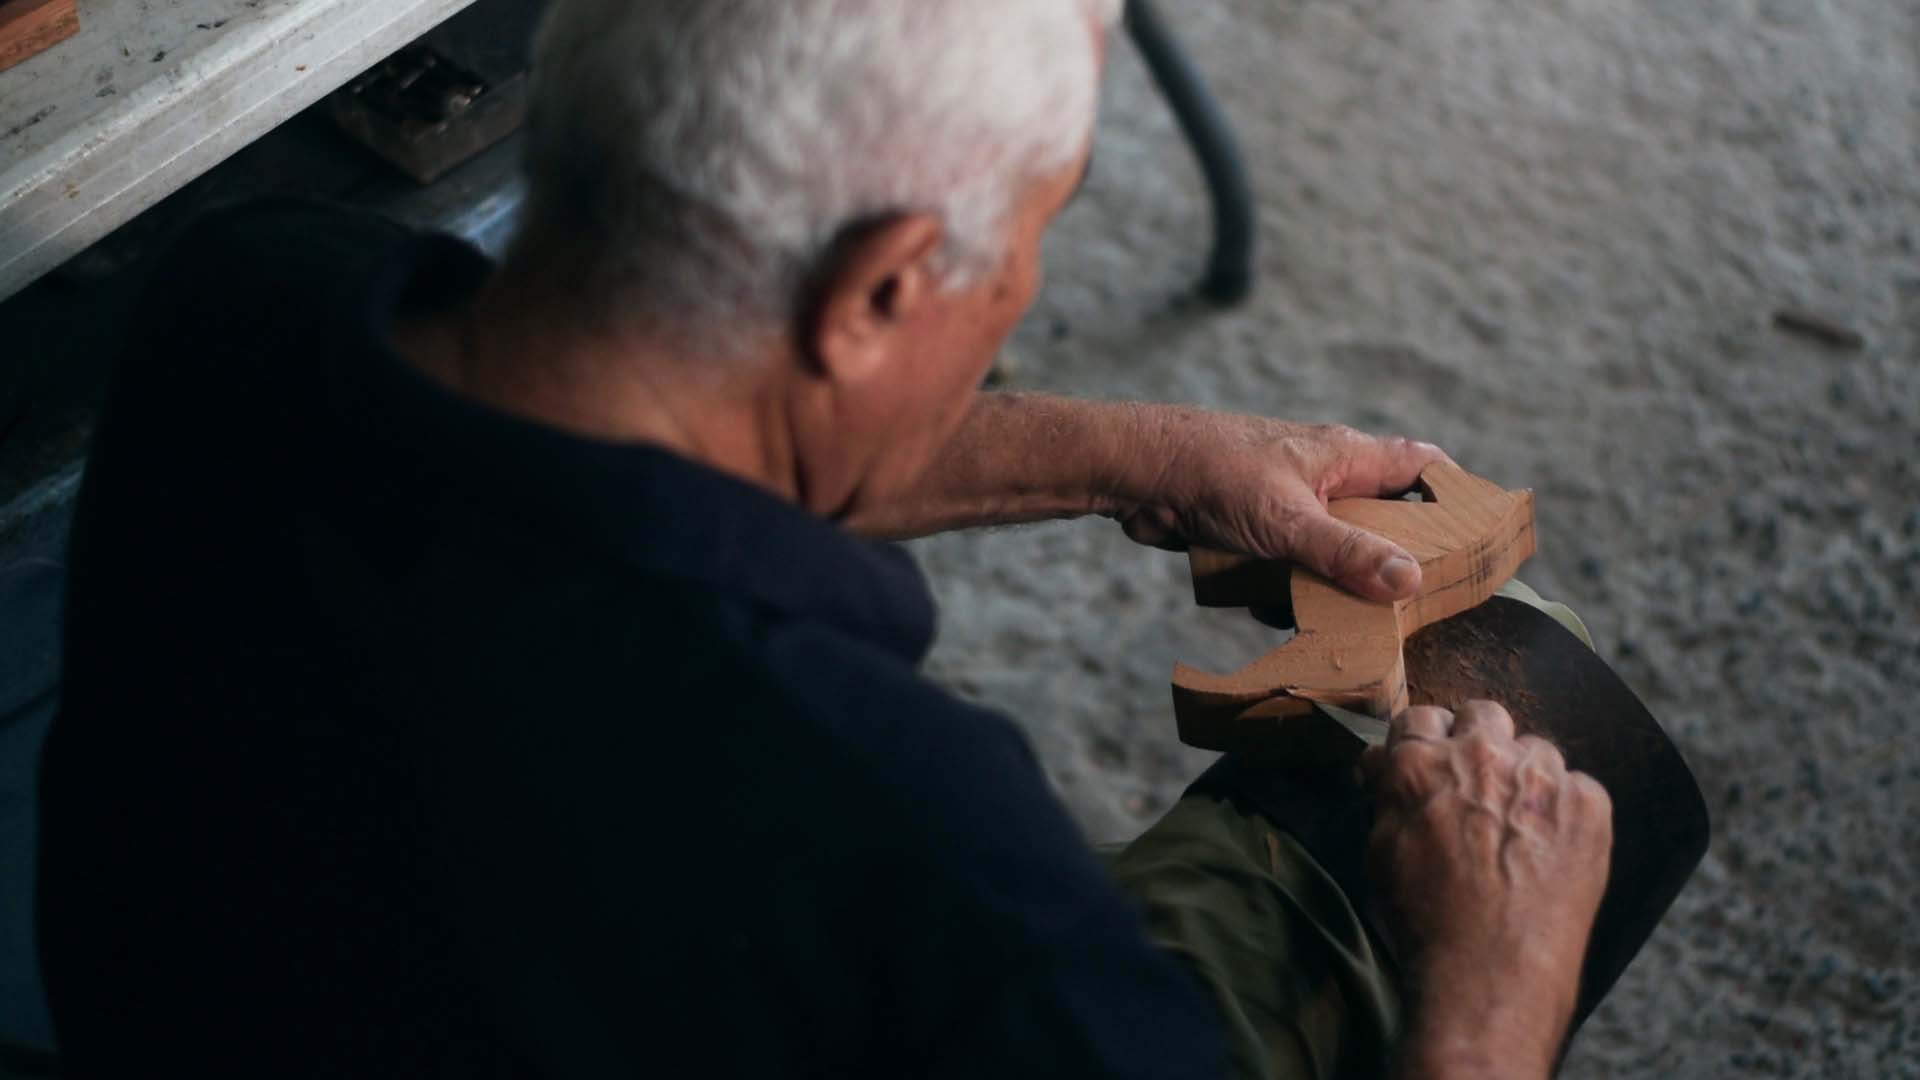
(479, 670)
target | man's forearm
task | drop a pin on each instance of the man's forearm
(1028, 457)
(1174, 476)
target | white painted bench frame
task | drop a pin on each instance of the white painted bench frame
(152, 93)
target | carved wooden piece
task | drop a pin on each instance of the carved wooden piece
(30, 27)
(1469, 537)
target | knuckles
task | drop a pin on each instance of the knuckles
(1486, 755)
(1333, 434)
(1542, 753)
(1414, 773)
(1424, 720)
(1535, 782)
(1591, 797)
(1415, 759)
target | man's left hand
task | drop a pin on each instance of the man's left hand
(1260, 487)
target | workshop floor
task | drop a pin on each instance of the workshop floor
(1553, 238)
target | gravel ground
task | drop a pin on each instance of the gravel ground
(1553, 237)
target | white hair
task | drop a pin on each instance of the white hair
(704, 156)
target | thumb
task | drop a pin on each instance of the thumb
(1353, 558)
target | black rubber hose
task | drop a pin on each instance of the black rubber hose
(1229, 277)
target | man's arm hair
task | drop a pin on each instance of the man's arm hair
(1020, 458)
(1173, 476)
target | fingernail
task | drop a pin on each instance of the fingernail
(1399, 574)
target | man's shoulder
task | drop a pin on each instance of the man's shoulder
(264, 243)
(279, 273)
(258, 281)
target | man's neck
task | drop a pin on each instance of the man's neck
(523, 353)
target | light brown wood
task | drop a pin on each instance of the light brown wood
(30, 27)
(1469, 537)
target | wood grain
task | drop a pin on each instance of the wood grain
(30, 27)
(1469, 537)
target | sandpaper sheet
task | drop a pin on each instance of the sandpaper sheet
(1558, 688)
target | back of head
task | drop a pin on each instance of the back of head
(694, 161)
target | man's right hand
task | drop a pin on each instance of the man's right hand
(1495, 857)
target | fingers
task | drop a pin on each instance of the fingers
(1154, 527)
(1594, 802)
(1393, 770)
(1373, 761)
(1376, 467)
(1419, 722)
(1353, 558)
(1539, 774)
(1483, 718)
(1538, 754)
(1262, 486)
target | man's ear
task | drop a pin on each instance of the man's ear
(879, 276)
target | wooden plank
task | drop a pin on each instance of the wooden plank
(1469, 537)
(30, 27)
(148, 96)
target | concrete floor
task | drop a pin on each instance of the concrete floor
(1553, 237)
